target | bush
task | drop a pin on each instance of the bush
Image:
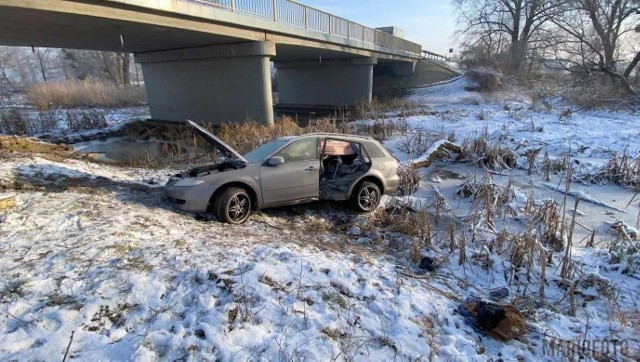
(13, 121)
(87, 93)
(596, 91)
(486, 80)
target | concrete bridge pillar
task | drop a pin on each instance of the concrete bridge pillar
(217, 84)
(335, 82)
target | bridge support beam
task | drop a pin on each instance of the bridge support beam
(335, 82)
(403, 68)
(217, 84)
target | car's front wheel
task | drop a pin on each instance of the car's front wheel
(367, 196)
(233, 205)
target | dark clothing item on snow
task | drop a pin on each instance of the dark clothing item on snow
(499, 293)
(502, 322)
(427, 264)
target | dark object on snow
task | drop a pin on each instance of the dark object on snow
(502, 322)
(200, 334)
(499, 293)
(489, 315)
(427, 264)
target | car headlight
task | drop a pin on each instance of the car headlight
(188, 182)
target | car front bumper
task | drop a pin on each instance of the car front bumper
(189, 198)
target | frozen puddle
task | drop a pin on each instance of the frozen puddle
(115, 150)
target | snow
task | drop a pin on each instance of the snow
(433, 148)
(582, 196)
(107, 258)
(114, 117)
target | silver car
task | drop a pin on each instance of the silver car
(287, 171)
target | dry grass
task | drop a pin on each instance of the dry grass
(383, 108)
(623, 170)
(597, 91)
(14, 122)
(247, 136)
(381, 128)
(87, 93)
(484, 154)
(17, 121)
(85, 120)
(28, 146)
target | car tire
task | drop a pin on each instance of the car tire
(366, 196)
(233, 206)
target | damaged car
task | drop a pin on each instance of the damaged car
(286, 171)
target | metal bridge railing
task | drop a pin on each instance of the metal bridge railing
(434, 56)
(295, 13)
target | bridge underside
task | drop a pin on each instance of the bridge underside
(205, 70)
(100, 25)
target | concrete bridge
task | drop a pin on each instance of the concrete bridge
(209, 60)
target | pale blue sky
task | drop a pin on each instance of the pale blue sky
(428, 22)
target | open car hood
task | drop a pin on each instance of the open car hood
(226, 150)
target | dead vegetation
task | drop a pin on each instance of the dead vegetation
(11, 144)
(86, 93)
(596, 91)
(493, 156)
(18, 121)
(486, 80)
(622, 170)
(546, 241)
(248, 135)
(380, 108)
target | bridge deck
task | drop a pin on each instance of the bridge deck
(299, 31)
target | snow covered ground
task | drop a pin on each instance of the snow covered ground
(58, 125)
(94, 260)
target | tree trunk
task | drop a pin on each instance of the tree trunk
(518, 50)
(619, 79)
(119, 69)
(126, 65)
(112, 74)
(632, 65)
(40, 56)
(63, 65)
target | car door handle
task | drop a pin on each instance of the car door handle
(310, 168)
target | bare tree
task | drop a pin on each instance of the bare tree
(111, 66)
(117, 66)
(508, 25)
(592, 33)
(7, 84)
(42, 57)
(15, 66)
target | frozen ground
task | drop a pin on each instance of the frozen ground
(58, 126)
(94, 260)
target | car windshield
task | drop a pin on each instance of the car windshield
(263, 151)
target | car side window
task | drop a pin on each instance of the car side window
(302, 150)
(374, 150)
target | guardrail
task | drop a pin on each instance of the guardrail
(295, 13)
(434, 56)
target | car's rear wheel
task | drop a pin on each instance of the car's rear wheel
(367, 196)
(233, 205)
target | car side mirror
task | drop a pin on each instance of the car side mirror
(276, 160)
